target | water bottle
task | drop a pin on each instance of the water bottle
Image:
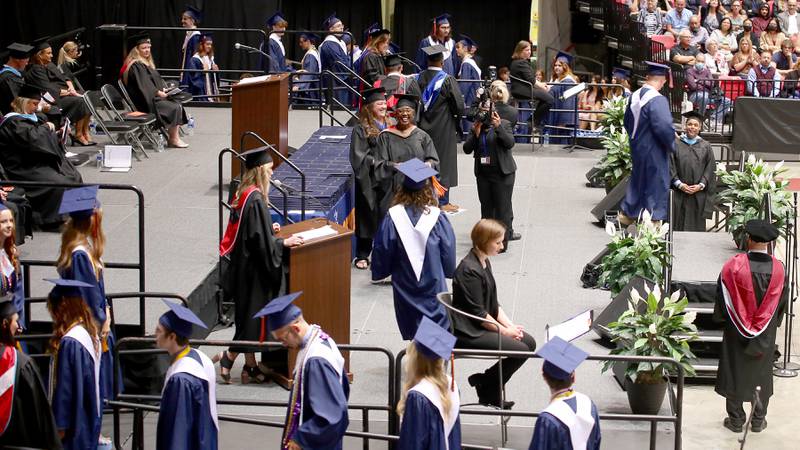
(160, 143)
(190, 127)
(98, 159)
(92, 126)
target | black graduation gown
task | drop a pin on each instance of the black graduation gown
(10, 83)
(372, 66)
(31, 152)
(747, 363)
(143, 83)
(53, 79)
(254, 275)
(362, 158)
(392, 85)
(31, 423)
(692, 164)
(442, 122)
(396, 149)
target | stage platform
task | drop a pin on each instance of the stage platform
(700, 256)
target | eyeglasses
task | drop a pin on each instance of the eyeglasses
(405, 112)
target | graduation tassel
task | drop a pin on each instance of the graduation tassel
(440, 190)
(262, 334)
(452, 373)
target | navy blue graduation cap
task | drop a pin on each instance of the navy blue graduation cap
(194, 12)
(180, 319)
(256, 157)
(761, 230)
(66, 288)
(375, 27)
(7, 308)
(434, 341)
(442, 19)
(657, 69)
(564, 57)
(41, 44)
(392, 59)
(137, 39)
(347, 38)
(621, 73)
(468, 41)
(560, 358)
(379, 32)
(207, 36)
(280, 311)
(19, 51)
(309, 36)
(330, 21)
(394, 48)
(416, 173)
(373, 94)
(79, 202)
(434, 52)
(276, 18)
(412, 101)
(31, 91)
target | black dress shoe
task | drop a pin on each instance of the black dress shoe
(515, 236)
(475, 380)
(496, 403)
(758, 427)
(728, 423)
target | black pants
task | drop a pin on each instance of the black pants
(544, 101)
(494, 193)
(488, 341)
(739, 417)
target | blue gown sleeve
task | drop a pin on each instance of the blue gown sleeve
(419, 422)
(327, 419)
(660, 120)
(384, 249)
(447, 245)
(594, 437)
(275, 57)
(550, 434)
(454, 440)
(197, 84)
(82, 270)
(422, 58)
(183, 421)
(627, 120)
(19, 298)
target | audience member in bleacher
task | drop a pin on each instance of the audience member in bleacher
(75, 391)
(711, 15)
(255, 274)
(791, 87)
(763, 80)
(591, 100)
(737, 16)
(786, 58)
(530, 89)
(570, 421)
(717, 60)
(751, 296)
(475, 293)
(30, 150)
(41, 71)
(652, 19)
(305, 85)
(204, 83)
(761, 19)
(333, 52)
(677, 18)
(363, 151)
(563, 79)
(148, 91)
(684, 53)
(416, 246)
(772, 38)
(619, 76)
(692, 169)
(11, 282)
(276, 63)
(11, 78)
(744, 60)
(701, 85)
(725, 36)
(430, 399)
(699, 33)
(190, 19)
(28, 418)
(370, 65)
(789, 20)
(747, 32)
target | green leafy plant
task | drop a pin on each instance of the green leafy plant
(654, 326)
(643, 253)
(617, 163)
(614, 113)
(744, 193)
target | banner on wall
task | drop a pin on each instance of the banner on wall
(533, 34)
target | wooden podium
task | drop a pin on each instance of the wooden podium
(260, 106)
(321, 269)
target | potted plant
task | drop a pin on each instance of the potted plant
(642, 253)
(613, 114)
(744, 193)
(617, 163)
(652, 326)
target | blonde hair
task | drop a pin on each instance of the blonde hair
(373, 44)
(133, 57)
(86, 231)
(485, 231)
(521, 45)
(18, 104)
(258, 177)
(63, 53)
(499, 91)
(419, 367)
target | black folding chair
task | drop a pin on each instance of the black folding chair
(111, 126)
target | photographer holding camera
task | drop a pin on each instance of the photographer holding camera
(490, 142)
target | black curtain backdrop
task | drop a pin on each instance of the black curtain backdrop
(496, 27)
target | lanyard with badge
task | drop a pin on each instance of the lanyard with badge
(485, 158)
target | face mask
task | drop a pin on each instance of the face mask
(699, 66)
(747, 27)
(772, 28)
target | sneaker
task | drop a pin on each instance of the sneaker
(515, 236)
(758, 427)
(728, 423)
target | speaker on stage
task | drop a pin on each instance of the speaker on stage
(612, 201)
(593, 179)
(618, 306)
(592, 270)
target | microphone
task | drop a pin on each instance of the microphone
(239, 46)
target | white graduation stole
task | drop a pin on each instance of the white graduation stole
(204, 371)
(638, 101)
(431, 392)
(79, 333)
(277, 39)
(471, 62)
(336, 40)
(414, 237)
(315, 348)
(312, 52)
(579, 422)
(448, 45)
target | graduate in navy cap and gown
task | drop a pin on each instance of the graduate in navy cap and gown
(442, 108)
(564, 79)
(304, 88)
(752, 294)
(440, 35)
(430, 402)
(75, 370)
(11, 74)
(26, 419)
(570, 421)
(252, 271)
(317, 415)
(80, 258)
(648, 122)
(333, 52)
(187, 418)
(276, 62)
(190, 19)
(204, 85)
(469, 70)
(415, 244)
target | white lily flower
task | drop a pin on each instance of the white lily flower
(751, 159)
(675, 295)
(689, 317)
(611, 229)
(635, 296)
(657, 291)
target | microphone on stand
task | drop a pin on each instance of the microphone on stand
(249, 49)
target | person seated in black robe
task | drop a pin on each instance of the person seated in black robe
(30, 151)
(30, 421)
(43, 72)
(692, 168)
(11, 74)
(149, 92)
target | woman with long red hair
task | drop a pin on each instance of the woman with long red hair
(10, 273)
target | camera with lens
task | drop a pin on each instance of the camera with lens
(483, 106)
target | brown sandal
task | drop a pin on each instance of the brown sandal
(225, 363)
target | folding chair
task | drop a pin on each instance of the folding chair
(119, 106)
(111, 126)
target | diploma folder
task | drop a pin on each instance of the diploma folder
(571, 328)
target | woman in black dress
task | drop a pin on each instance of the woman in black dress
(363, 147)
(44, 73)
(475, 292)
(148, 90)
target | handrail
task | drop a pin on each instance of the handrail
(353, 73)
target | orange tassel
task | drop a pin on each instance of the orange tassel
(440, 190)
(263, 334)
(452, 373)
(105, 344)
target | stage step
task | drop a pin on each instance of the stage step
(705, 364)
(704, 336)
(700, 307)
